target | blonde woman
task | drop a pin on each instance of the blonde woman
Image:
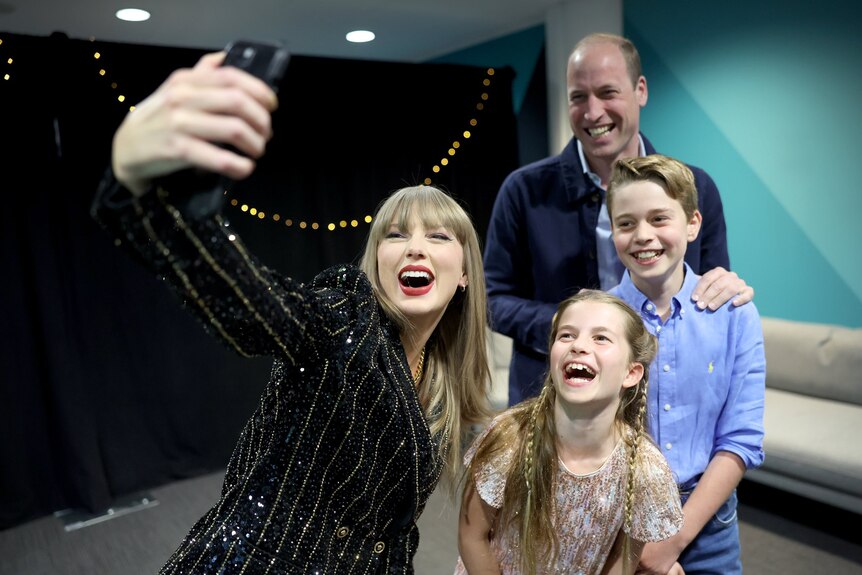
(378, 370)
(569, 482)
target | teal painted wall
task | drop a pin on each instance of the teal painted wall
(766, 97)
(519, 50)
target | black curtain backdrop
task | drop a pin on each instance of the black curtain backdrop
(107, 386)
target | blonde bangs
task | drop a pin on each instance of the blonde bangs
(433, 208)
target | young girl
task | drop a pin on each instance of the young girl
(568, 482)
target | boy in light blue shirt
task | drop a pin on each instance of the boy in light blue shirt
(706, 396)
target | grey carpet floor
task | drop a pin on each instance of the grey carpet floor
(780, 536)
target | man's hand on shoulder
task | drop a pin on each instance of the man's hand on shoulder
(718, 286)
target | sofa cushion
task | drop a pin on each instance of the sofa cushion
(816, 440)
(813, 359)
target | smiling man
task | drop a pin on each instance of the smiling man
(549, 233)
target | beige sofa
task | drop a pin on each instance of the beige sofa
(813, 415)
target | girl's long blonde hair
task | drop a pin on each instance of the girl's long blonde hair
(457, 375)
(529, 496)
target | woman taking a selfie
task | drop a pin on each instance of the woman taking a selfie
(378, 370)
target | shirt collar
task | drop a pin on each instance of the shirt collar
(628, 291)
(586, 167)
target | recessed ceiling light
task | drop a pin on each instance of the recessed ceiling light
(133, 15)
(360, 36)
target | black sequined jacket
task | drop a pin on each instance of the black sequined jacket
(333, 468)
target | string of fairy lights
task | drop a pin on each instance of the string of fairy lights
(275, 217)
(7, 64)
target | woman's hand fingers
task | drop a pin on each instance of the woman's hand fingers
(208, 116)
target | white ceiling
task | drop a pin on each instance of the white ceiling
(407, 30)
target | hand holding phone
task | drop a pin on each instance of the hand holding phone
(267, 61)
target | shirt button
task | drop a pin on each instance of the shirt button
(666, 368)
(594, 198)
(668, 445)
(379, 547)
(649, 306)
(667, 407)
(658, 329)
(682, 312)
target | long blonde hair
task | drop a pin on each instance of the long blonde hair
(456, 360)
(529, 496)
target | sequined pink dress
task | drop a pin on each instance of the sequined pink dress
(589, 508)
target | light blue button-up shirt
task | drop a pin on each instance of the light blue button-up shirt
(707, 383)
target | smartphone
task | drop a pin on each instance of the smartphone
(265, 60)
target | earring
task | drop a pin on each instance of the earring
(463, 288)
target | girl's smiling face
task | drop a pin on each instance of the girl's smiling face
(590, 359)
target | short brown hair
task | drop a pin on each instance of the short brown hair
(673, 176)
(628, 49)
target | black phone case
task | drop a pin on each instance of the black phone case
(205, 190)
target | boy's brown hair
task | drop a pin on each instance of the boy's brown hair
(672, 175)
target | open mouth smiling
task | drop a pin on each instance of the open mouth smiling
(600, 131)
(415, 278)
(647, 255)
(578, 372)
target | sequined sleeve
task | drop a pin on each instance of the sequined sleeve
(248, 306)
(658, 513)
(491, 477)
